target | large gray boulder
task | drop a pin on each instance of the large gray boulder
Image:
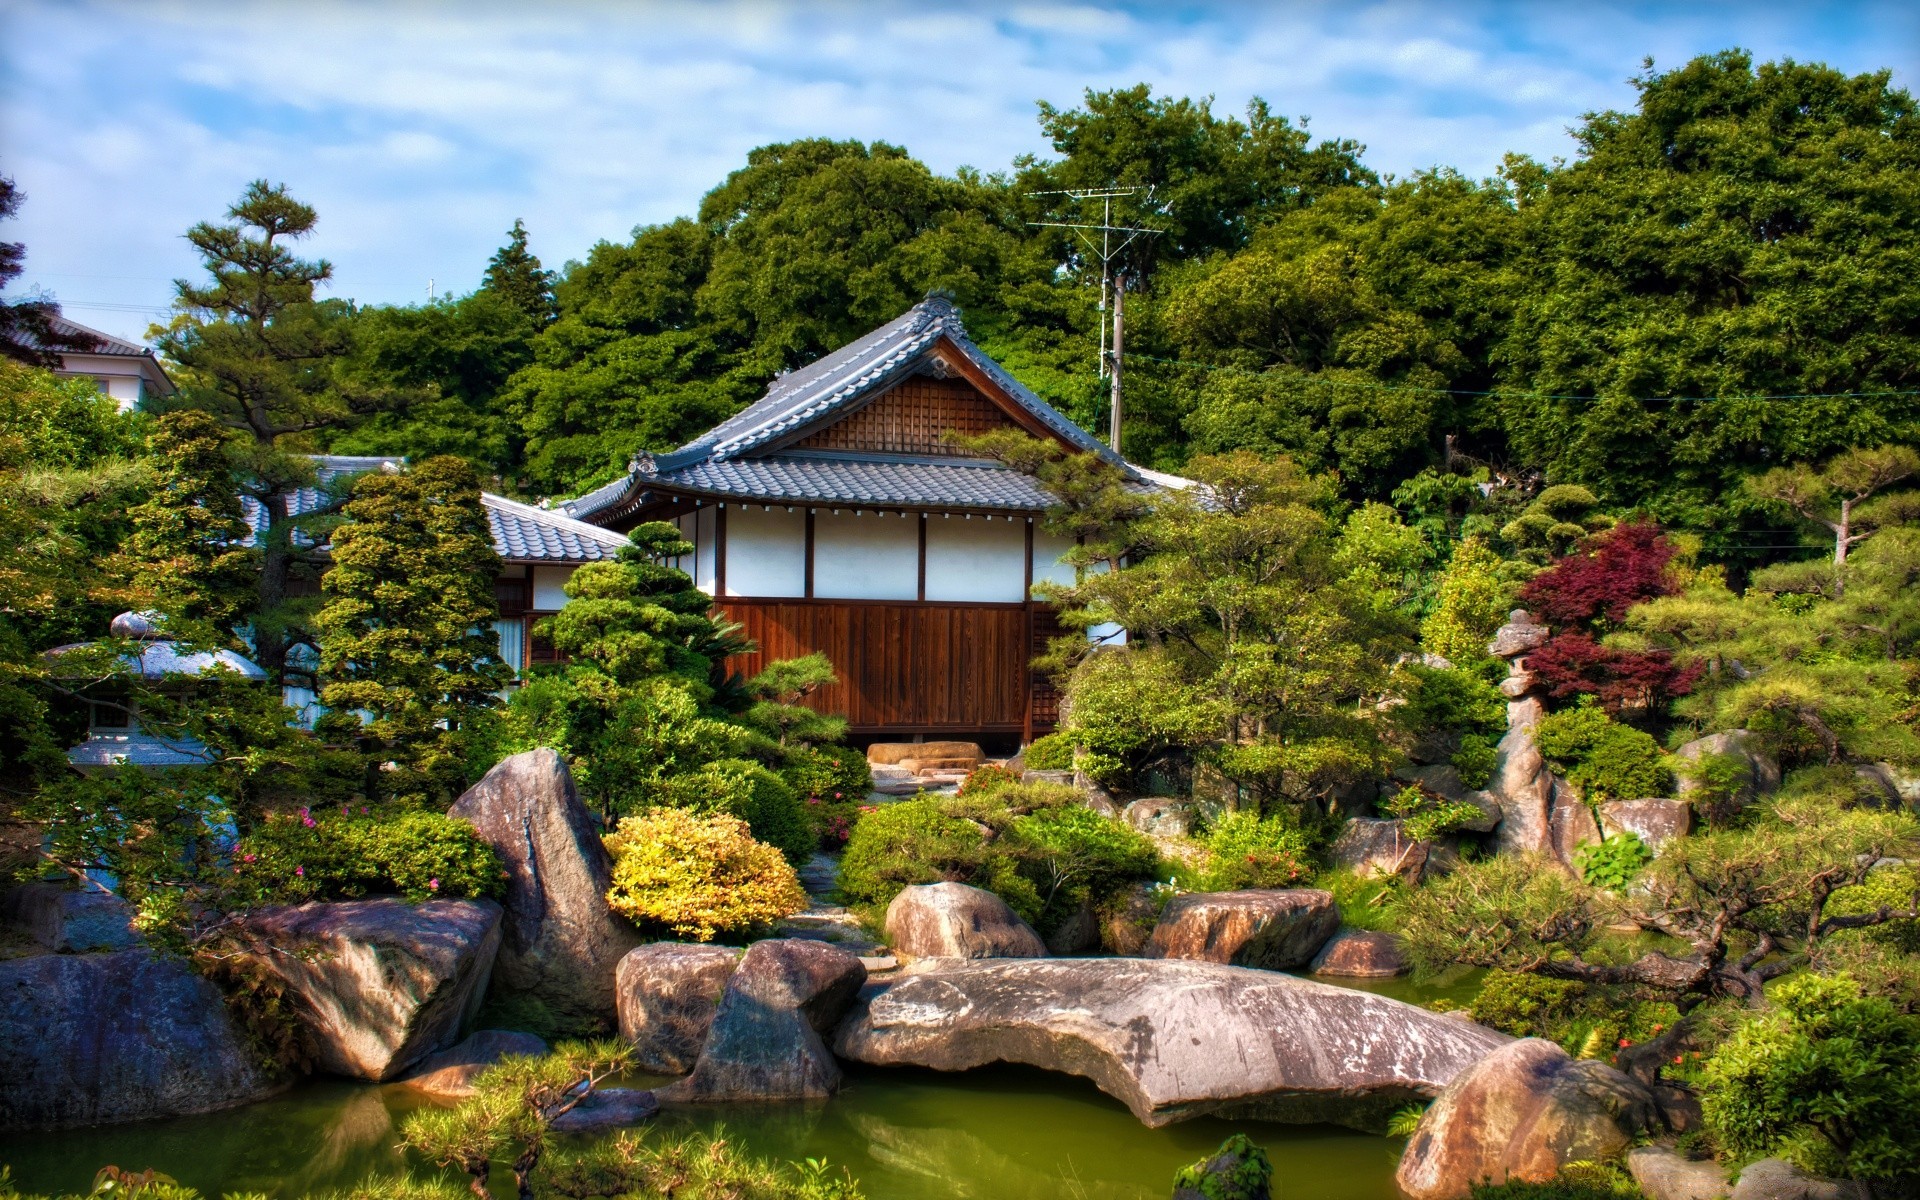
(449, 1074)
(92, 1039)
(1160, 816)
(608, 1108)
(668, 993)
(1376, 846)
(1521, 1113)
(1172, 1039)
(70, 920)
(1655, 822)
(561, 941)
(765, 1043)
(1277, 929)
(377, 984)
(953, 920)
(1664, 1174)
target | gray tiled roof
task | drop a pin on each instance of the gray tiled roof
(740, 457)
(796, 478)
(521, 532)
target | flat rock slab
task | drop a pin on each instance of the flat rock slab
(379, 984)
(71, 921)
(1665, 1175)
(94, 1039)
(668, 995)
(450, 1073)
(1274, 929)
(1655, 822)
(1172, 1039)
(953, 920)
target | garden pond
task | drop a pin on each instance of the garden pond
(1004, 1132)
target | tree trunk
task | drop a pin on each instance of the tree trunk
(276, 569)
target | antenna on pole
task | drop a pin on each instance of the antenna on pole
(1107, 248)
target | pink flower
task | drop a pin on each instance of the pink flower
(1679, 1058)
(246, 858)
(433, 885)
(1624, 1043)
(300, 871)
(308, 822)
(837, 796)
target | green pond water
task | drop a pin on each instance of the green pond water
(1008, 1133)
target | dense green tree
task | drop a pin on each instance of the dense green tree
(189, 543)
(514, 275)
(261, 354)
(406, 632)
(1747, 233)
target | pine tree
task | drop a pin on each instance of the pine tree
(260, 354)
(407, 626)
(515, 275)
(189, 547)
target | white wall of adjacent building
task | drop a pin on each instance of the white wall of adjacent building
(869, 556)
(977, 559)
(766, 551)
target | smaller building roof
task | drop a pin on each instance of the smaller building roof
(138, 749)
(522, 533)
(87, 342)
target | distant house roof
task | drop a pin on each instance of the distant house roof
(103, 345)
(745, 457)
(522, 533)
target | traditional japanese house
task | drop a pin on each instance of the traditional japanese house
(834, 515)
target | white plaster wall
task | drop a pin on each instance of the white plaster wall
(547, 585)
(868, 557)
(766, 551)
(703, 549)
(1048, 550)
(976, 559)
(687, 524)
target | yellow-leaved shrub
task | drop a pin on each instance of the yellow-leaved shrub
(698, 875)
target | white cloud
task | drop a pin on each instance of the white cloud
(421, 130)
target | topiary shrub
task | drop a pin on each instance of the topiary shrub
(1075, 856)
(1605, 760)
(1453, 699)
(911, 842)
(999, 808)
(698, 875)
(827, 772)
(306, 855)
(754, 794)
(1050, 752)
(1526, 1005)
(1247, 850)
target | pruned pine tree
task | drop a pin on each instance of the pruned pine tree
(189, 546)
(406, 628)
(259, 354)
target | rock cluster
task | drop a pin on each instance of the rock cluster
(449, 1074)
(668, 993)
(765, 1043)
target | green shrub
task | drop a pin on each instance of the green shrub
(754, 794)
(1604, 760)
(304, 855)
(1050, 752)
(698, 875)
(901, 844)
(1247, 850)
(1827, 1076)
(1475, 760)
(1074, 856)
(998, 808)
(988, 777)
(1425, 817)
(1576, 1181)
(1449, 698)
(1365, 901)
(1720, 783)
(1613, 863)
(827, 773)
(1526, 1005)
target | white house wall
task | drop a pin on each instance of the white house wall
(766, 551)
(548, 583)
(866, 557)
(1048, 551)
(703, 559)
(976, 559)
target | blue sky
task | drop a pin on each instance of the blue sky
(421, 130)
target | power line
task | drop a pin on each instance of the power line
(1375, 385)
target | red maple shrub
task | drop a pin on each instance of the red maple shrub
(1609, 574)
(1572, 663)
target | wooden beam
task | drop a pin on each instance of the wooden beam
(809, 588)
(1026, 657)
(720, 552)
(922, 593)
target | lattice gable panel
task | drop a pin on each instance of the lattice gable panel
(911, 417)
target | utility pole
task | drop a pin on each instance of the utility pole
(1107, 249)
(1119, 333)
